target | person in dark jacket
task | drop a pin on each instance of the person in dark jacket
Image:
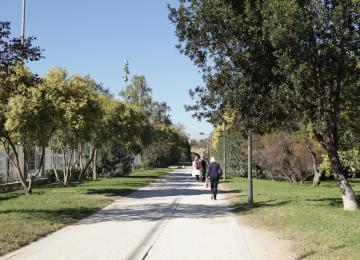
(204, 166)
(214, 172)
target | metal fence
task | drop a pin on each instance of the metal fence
(9, 174)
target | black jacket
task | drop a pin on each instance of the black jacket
(214, 170)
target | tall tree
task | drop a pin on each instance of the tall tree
(77, 111)
(15, 81)
(318, 47)
(225, 39)
(25, 114)
(138, 92)
(15, 51)
(268, 62)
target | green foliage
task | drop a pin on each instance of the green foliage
(15, 51)
(138, 93)
(120, 137)
(350, 159)
(30, 117)
(76, 107)
(226, 39)
(267, 63)
(169, 147)
(162, 143)
(235, 149)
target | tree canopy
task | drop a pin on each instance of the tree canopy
(266, 63)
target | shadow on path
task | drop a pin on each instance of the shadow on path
(157, 211)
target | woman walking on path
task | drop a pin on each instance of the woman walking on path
(214, 172)
(196, 168)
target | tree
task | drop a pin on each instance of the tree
(77, 112)
(161, 135)
(138, 93)
(25, 113)
(268, 62)
(318, 48)
(121, 135)
(225, 39)
(15, 81)
(15, 51)
(30, 123)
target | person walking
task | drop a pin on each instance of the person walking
(196, 168)
(214, 172)
(203, 170)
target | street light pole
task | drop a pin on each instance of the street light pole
(224, 176)
(23, 22)
(250, 184)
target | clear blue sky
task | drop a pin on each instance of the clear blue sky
(93, 37)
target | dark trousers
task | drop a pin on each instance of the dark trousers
(197, 177)
(214, 184)
(203, 175)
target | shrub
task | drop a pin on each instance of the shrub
(50, 174)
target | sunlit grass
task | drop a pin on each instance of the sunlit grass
(311, 216)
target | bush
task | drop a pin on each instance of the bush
(50, 174)
(350, 160)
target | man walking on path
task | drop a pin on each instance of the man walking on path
(204, 166)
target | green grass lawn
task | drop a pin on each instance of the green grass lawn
(311, 216)
(26, 218)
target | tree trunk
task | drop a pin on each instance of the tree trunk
(94, 165)
(317, 173)
(91, 158)
(31, 177)
(7, 151)
(347, 193)
(16, 163)
(65, 168)
(54, 167)
(81, 163)
(329, 141)
(317, 177)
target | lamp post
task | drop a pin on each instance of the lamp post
(23, 22)
(224, 175)
(250, 184)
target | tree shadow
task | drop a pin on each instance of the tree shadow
(9, 196)
(334, 202)
(174, 184)
(165, 191)
(157, 212)
(244, 207)
(313, 252)
(305, 255)
(64, 215)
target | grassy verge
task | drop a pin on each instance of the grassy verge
(26, 218)
(312, 217)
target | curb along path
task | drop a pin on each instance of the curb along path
(173, 218)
